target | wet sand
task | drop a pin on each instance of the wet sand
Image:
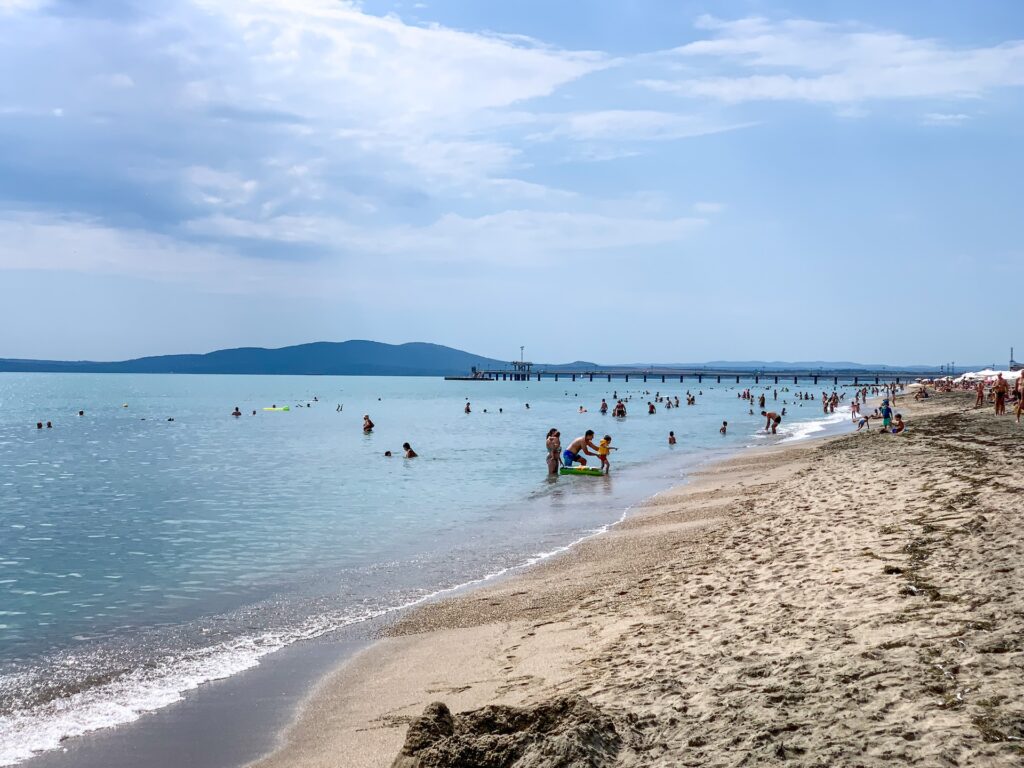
(853, 601)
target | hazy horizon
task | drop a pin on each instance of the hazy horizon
(602, 181)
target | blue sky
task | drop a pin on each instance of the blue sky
(629, 181)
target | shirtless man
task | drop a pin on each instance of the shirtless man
(773, 420)
(981, 394)
(580, 445)
(1000, 388)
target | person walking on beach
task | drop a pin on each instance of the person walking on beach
(581, 445)
(773, 420)
(980, 389)
(554, 446)
(1020, 396)
(1000, 388)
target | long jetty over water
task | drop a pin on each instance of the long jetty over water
(521, 371)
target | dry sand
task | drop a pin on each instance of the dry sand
(850, 602)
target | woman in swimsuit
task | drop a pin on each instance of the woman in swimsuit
(554, 446)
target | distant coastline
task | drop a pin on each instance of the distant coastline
(367, 358)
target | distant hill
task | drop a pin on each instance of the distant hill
(368, 358)
(372, 358)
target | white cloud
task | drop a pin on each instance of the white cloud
(335, 62)
(527, 236)
(838, 63)
(15, 6)
(630, 125)
(708, 208)
(944, 118)
(218, 188)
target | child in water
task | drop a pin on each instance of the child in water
(603, 449)
(725, 426)
(671, 438)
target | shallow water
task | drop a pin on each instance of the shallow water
(140, 557)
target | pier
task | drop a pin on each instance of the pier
(524, 371)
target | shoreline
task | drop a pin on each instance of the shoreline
(166, 723)
(622, 621)
(398, 636)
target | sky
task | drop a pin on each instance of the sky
(641, 181)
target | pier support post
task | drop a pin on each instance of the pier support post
(556, 377)
(719, 379)
(776, 379)
(876, 380)
(662, 378)
(737, 379)
(700, 378)
(609, 378)
(855, 380)
(645, 378)
(538, 377)
(757, 379)
(574, 377)
(835, 380)
(795, 381)
(591, 377)
(627, 378)
(897, 379)
(815, 380)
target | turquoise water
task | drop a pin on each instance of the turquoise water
(141, 556)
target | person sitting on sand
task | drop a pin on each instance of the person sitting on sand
(724, 428)
(367, 424)
(409, 452)
(773, 420)
(671, 438)
(898, 426)
(603, 450)
(581, 445)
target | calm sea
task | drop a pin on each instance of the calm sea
(156, 542)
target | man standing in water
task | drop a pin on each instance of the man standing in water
(773, 420)
(581, 445)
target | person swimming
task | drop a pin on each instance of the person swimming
(409, 452)
(671, 438)
(724, 428)
(236, 412)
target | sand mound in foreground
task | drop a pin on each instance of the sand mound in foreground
(564, 732)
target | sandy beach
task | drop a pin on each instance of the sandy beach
(852, 601)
